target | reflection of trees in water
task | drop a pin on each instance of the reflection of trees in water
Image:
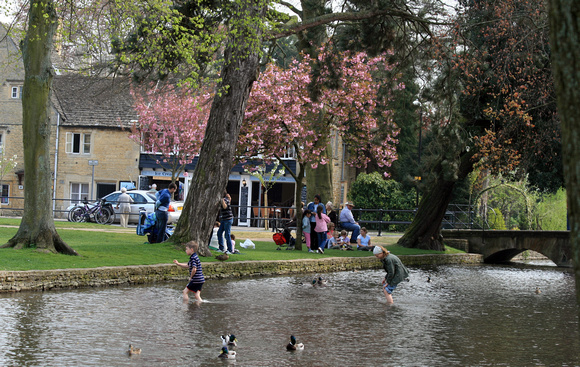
(24, 342)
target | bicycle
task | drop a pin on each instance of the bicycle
(101, 213)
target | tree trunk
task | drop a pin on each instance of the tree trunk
(266, 211)
(425, 230)
(565, 44)
(216, 157)
(319, 181)
(37, 227)
(299, 210)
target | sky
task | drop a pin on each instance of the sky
(8, 4)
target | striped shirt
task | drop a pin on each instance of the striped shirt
(226, 214)
(198, 276)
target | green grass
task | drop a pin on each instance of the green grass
(107, 248)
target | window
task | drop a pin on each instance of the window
(4, 196)
(77, 143)
(78, 192)
(290, 152)
(16, 92)
(138, 198)
(1, 142)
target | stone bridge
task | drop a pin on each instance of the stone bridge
(502, 246)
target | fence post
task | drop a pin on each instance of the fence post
(380, 221)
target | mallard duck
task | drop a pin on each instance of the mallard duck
(428, 279)
(133, 350)
(227, 354)
(224, 340)
(538, 291)
(222, 257)
(321, 281)
(232, 340)
(314, 282)
(293, 345)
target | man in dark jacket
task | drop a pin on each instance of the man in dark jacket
(161, 207)
(396, 271)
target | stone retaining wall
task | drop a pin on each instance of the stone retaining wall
(41, 280)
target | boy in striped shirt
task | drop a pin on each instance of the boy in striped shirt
(196, 278)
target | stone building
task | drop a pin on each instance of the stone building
(11, 83)
(94, 154)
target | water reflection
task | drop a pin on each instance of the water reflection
(470, 315)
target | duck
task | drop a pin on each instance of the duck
(538, 291)
(227, 354)
(132, 350)
(321, 281)
(428, 279)
(314, 282)
(224, 340)
(232, 340)
(222, 257)
(293, 345)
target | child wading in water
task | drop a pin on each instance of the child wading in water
(396, 271)
(196, 278)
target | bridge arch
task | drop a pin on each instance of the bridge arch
(502, 246)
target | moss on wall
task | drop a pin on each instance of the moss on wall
(42, 280)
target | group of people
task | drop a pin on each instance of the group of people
(319, 225)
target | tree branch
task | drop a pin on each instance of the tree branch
(291, 8)
(349, 16)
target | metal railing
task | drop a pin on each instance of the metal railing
(457, 216)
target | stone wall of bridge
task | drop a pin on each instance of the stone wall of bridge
(502, 246)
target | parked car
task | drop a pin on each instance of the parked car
(141, 199)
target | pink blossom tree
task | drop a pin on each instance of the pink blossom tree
(171, 126)
(281, 114)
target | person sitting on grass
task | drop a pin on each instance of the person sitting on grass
(363, 241)
(213, 240)
(233, 239)
(334, 243)
(344, 241)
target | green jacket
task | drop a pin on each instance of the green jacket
(396, 271)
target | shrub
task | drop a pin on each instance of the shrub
(372, 191)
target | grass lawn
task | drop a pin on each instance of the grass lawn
(101, 245)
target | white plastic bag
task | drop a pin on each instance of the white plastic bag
(248, 244)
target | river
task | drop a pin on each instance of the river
(483, 315)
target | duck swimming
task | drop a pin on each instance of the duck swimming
(133, 350)
(227, 354)
(538, 291)
(293, 345)
(232, 340)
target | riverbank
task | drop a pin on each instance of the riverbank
(44, 280)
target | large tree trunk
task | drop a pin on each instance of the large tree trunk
(37, 226)
(425, 230)
(319, 180)
(216, 157)
(299, 210)
(565, 44)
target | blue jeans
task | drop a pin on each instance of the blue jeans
(225, 226)
(355, 228)
(321, 239)
(160, 225)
